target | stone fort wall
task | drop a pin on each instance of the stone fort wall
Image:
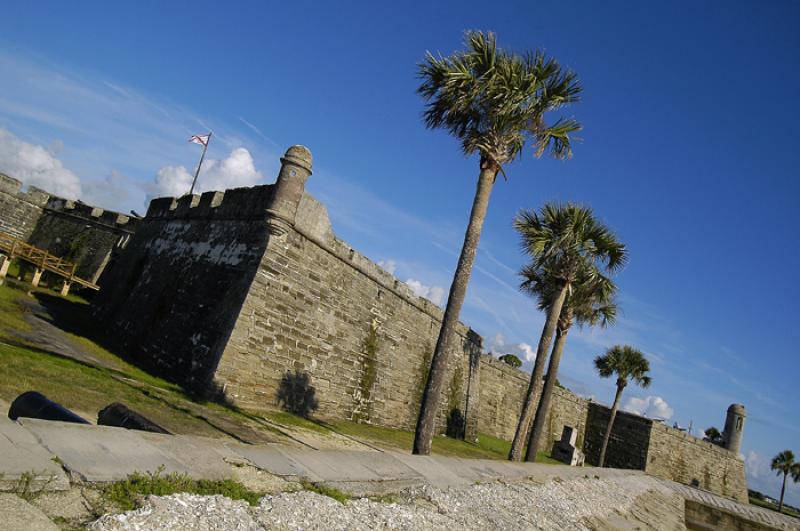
(313, 306)
(172, 301)
(211, 294)
(85, 235)
(19, 211)
(675, 455)
(502, 393)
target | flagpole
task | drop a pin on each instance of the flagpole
(197, 172)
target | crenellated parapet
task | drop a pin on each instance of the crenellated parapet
(91, 213)
(20, 211)
(235, 203)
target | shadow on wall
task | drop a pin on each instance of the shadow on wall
(296, 394)
(456, 424)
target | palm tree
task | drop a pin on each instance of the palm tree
(713, 435)
(784, 463)
(590, 302)
(493, 102)
(564, 242)
(628, 364)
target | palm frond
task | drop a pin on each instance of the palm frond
(493, 101)
(628, 363)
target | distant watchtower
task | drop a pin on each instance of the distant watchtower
(734, 424)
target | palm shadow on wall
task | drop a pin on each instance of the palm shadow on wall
(296, 394)
(456, 424)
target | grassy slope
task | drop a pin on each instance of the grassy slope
(89, 389)
(487, 447)
(74, 384)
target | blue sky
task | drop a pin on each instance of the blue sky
(689, 152)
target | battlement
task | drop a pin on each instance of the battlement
(13, 187)
(91, 213)
(235, 203)
(9, 184)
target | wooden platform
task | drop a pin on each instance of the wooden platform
(14, 248)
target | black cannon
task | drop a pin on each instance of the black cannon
(121, 416)
(37, 406)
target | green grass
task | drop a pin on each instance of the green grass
(83, 388)
(12, 313)
(289, 419)
(324, 490)
(768, 505)
(13, 269)
(12, 320)
(487, 447)
(131, 492)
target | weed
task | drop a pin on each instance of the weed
(129, 493)
(324, 490)
(24, 487)
(385, 498)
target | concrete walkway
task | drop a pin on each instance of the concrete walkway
(58, 453)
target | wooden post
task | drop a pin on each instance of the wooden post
(37, 276)
(65, 288)
(4, 269)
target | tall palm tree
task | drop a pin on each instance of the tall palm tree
(564, 241)
(493, 102)
(628, 364)
(784, 463)
(590, 303)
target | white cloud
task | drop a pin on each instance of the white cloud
(389, 265)
(756, 466)
(237, 170)
(523, 350)
(651, 406)
(435, 294)
(34, 165)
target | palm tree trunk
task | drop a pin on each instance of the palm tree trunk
(458, 290)
(783, 490)
(547, 393)
(607, 436)
(521, 435)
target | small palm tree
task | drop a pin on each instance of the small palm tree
(628, 364)
(492, 101)
(590, 303)
(564, 242)
(784, 464)
(713, 435)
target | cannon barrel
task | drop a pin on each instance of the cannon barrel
(32, 404)
(121, 416)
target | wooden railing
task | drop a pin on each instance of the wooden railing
(16, 248)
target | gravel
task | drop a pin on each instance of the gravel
(569, 505)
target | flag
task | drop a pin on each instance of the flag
(200, 139)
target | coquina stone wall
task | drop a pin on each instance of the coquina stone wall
(172, 300)
(502, 392)
(19, 211)
(627, 446)
(87, 236)
(318, 307)
(249, 293)
(643, 444)
(675, 455)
